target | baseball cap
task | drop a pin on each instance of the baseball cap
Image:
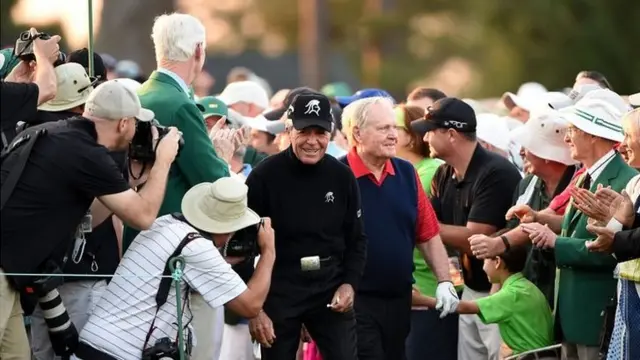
(309, 110)
(82, 57)
(576, 94)
(245, 91)
(128, 69)
(447, 113)
(527, 97)
(275, 114)
(74, 88)
(363, 94)
(113, 100)
(212, 106)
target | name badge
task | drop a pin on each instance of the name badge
(310, 263)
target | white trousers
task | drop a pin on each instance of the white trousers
(475, 339)
(207, 325)
(79, 298)
(236, 343)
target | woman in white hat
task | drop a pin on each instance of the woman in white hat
(547, 160)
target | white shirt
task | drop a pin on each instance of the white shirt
(121, 319)
(598, 167)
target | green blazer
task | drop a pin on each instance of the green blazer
(197, 161)
(586, 282)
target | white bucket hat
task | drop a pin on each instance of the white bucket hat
(74, 87)
(598, 113)
(219, 207)
(526, 98)
(493, 129)
(543, 136)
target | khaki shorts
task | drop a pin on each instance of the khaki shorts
(14, 344)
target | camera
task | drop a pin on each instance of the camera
(164, 348)
(24, 47)
(142, 145)
(62, 333)
(244, 243)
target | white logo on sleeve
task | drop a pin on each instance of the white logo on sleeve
(328, 197)
(313, 106)
(359, 213)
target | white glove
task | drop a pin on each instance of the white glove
(446, 298)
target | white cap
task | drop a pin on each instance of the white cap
(245, 91)
(113, 101)
(543, 136)
(219, 207)
(598, 113)
(133, 85)
(528, 95)
(634, 99)
(493, 129)
(261, 123)
(74, 87)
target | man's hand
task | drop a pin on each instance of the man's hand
(46, 50)
(522, 212)
(483, 246)
(266, 237)
(223, 142)
(167, 148)
(446, 298)
(342, 299)
(540, 235)
(586, 201)
(604, 240)
(620, 205)
(261, 329)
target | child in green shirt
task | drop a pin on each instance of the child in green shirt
(519, 308)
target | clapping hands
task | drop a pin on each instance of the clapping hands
(226, 140)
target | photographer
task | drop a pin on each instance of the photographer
(50, 177)
(211, 214)
(30, 84)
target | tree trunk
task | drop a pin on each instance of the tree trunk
(125, 30)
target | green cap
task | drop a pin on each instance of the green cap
(336, 89)
(7, 61)
(211, 105)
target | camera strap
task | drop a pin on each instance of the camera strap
(165, 283)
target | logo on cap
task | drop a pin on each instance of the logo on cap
(313, 106)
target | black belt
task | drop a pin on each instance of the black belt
(88, 352)
(540, 355)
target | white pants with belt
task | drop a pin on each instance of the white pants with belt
(475, 339)
(207, 325)
(79, 298)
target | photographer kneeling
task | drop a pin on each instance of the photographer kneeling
(51, 174)
(137, 315)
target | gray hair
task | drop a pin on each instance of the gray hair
(358, 113)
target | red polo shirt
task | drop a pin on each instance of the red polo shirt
(427, 226)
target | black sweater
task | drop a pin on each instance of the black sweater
(314, 210)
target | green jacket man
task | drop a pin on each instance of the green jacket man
(168, 97)
(586, 282)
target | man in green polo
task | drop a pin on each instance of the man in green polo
(179, 60)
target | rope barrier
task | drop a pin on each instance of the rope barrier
(93, 276)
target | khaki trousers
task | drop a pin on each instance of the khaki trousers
(14, 344)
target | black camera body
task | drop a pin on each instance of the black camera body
(164, 348)
(244, 243)
(142, 145)
(24, 47)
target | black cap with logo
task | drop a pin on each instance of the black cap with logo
(447, 113)
(276, 114)
(311, 109)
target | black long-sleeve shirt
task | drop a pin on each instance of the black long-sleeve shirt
(626, 244)
(314, 211)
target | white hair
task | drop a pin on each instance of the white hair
(176, 36)
(358, 113)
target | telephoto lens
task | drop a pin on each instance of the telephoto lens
(62, 332)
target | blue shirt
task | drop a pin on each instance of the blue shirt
(176, 78)
(336, 151)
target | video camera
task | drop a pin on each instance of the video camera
(142, 147)
(24, 47)
(244, 243)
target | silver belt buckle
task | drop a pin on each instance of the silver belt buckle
(310, 263)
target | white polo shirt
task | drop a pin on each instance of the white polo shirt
(121, 319)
